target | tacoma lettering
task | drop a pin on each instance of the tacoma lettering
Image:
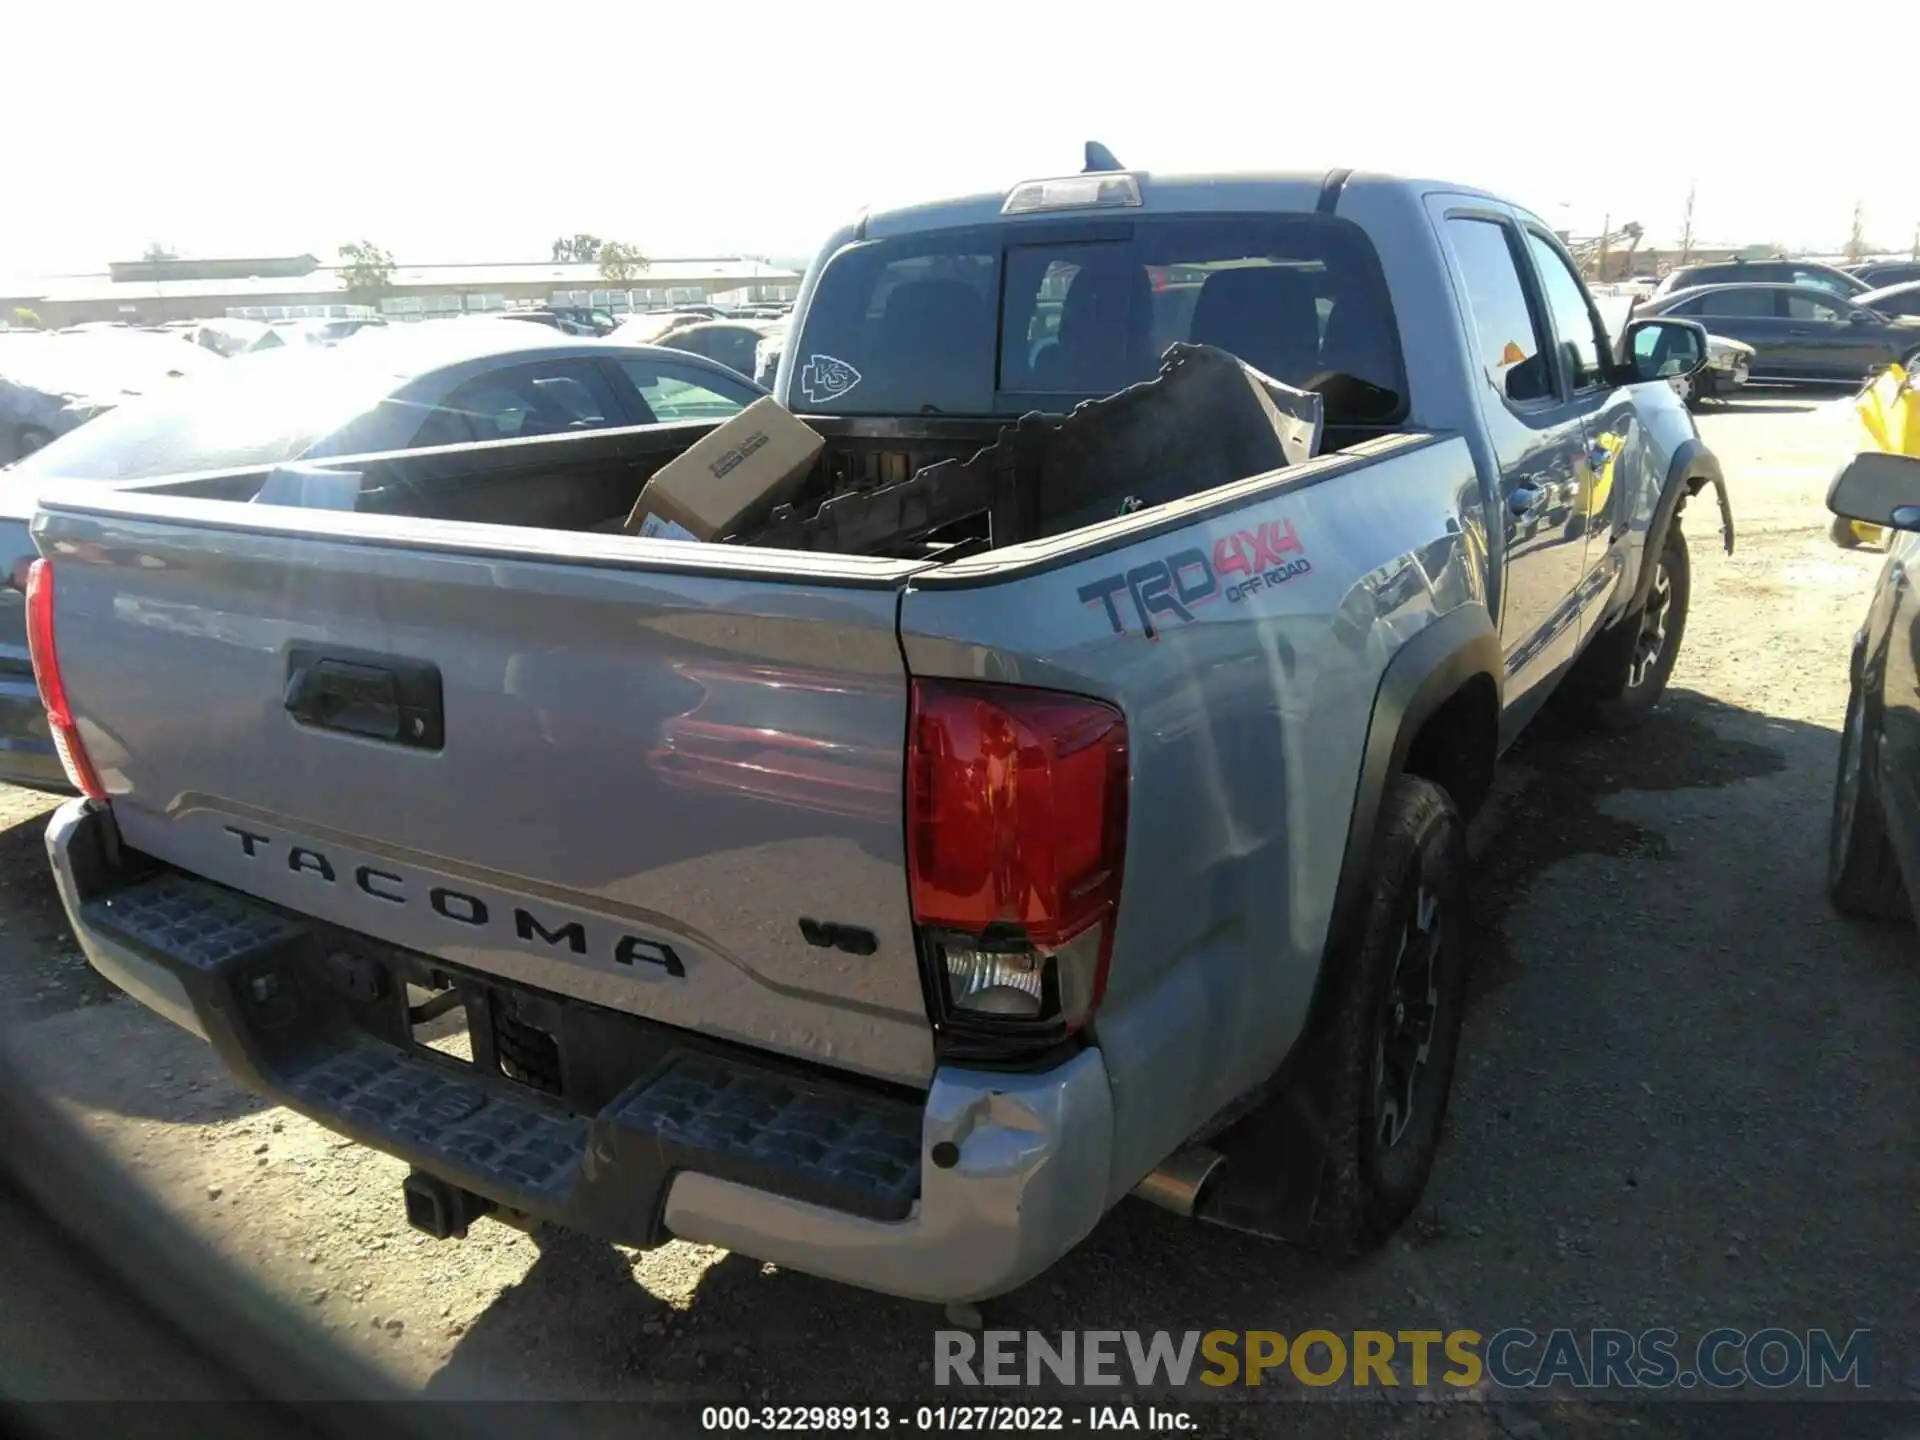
(460, 908)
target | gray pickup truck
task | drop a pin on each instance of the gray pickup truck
(892, 915)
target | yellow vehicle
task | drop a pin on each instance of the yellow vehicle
(1889, 414)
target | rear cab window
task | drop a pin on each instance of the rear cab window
(1001, 320)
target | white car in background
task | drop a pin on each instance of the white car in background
(1728, 361)
(1728, 365)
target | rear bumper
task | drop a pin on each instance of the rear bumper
(26, 746)
(961, 1194)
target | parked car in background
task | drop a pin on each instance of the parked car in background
(1896, 301)
(734, 343)
(1882, 273)
(653, 326)
(52, 383)
(401, 388)
(1873, 853)
(568, 321)
(1761, 272)
(326, 331)
(231, 336)
(1729, 366)
(1799, 333)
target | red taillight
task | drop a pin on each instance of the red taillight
(53, 691)
(1016, 832)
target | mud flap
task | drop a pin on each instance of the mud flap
(1726, 511)
(1275, 1159)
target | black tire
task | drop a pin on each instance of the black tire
(1702, 388)
(1842, 533)
(1626, 668)
(1863, 875)
(1384, 1119)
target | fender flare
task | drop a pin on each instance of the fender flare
(1693, 468)
(1426, 672)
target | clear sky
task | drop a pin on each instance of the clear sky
(480, 131)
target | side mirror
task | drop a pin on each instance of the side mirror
(1879, 488)
(1863, 317)
(1664, 349)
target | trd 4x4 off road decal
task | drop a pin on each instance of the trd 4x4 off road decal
(1178, 584)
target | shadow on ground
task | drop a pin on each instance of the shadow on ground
(42, 971)
(1691, 741)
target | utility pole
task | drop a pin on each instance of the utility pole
(1857, 238)
(1916, 242)
(1606, 230)
(1686, 225)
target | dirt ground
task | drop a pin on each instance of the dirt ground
(1687, 1095)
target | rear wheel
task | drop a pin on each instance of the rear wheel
(1697, 389)
(1625, 670)
(1863, 877)
(1395, 1026)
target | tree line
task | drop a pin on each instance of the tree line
(367, 270)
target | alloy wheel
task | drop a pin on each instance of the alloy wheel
(1407, 1026)
(1652, 639)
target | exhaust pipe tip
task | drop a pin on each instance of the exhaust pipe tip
(1179, 1184)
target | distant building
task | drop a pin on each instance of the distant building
(148, 292)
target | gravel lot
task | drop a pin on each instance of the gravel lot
(1687, 1094)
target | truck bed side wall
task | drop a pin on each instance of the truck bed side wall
(1246, 708)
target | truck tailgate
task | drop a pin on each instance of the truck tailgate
(592, 764)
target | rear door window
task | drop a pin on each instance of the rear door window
(1739, 304)
(1511, 346)
(1823, 280)
(1040, 317)
(674, 392)
(550, 398)
(1809, 307)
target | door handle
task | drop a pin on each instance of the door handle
(377, 697)
(1803, 330)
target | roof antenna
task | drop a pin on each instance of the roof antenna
(1099, 157)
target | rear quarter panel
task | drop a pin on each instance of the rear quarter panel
(1247, 712)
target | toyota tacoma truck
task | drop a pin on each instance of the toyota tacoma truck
(974, 842)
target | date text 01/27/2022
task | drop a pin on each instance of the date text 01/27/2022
(1176, 585)
(975, 1419)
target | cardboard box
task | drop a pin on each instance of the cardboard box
(753, 462)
